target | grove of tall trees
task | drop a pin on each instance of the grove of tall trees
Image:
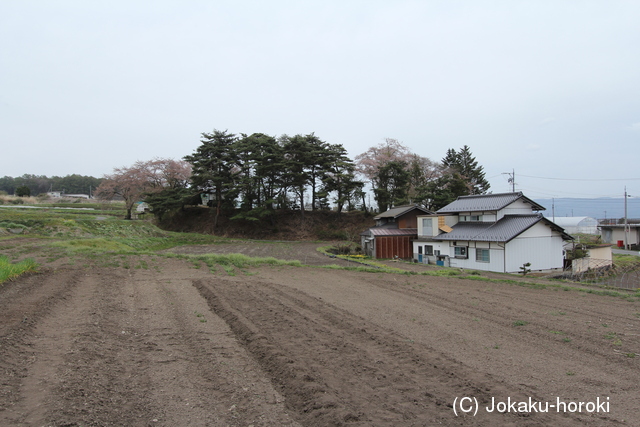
(38, 184)
(397, 176)
(251, 176)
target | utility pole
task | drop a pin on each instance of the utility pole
(511, 179)
(626, 239)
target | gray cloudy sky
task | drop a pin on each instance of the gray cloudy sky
(550, 89)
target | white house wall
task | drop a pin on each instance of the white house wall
(487, 216)
(516, 208)
(496, 257)
(538, 230)
(544, 253)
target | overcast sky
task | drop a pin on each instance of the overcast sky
(550, 89)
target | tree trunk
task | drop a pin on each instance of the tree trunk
(215, 218)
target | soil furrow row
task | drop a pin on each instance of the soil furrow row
(336, 368)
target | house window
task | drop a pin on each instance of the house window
(460, 251)
(428, 249)
(470, 218)
(482, 255)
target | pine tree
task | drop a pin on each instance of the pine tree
(295, 166)
(471, 172)
(260, 162)
(466, 176)
(213, 169)
(339, 176)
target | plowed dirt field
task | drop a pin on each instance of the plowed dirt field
(159, 342)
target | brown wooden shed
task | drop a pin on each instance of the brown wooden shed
(394, 233)
(402, 216)
(383, 242)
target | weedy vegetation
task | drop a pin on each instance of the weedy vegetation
(10, 271)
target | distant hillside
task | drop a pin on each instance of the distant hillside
(284, 225)
(604, 207)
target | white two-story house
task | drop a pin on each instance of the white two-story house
(492, 232)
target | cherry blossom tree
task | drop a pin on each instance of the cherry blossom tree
(133, 183)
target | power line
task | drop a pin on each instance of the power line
(569, 194)
(579, 179)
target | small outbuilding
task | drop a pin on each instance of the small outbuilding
(393, 235)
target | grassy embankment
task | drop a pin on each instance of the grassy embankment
(103, 238)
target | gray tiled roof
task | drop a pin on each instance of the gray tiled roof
(375, 231)
(386, 230)
(486, 202)
(401, 210)
(506, 229)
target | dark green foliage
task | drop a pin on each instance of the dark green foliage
(339, 177)
(420, 181)
(170, 199)
(458, 175)
(213, 169)
(391, 185)
(250, 176)
(23, 191)
(296, 166)
(444, 190)
(39, 184)
(467, 176)
(260, 163)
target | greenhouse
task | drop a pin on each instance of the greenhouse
(577, 224)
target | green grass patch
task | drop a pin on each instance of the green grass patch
(362, 268)
(625, 260)
(9, 271)
(558, 287)
(229, 262)
(94, 245)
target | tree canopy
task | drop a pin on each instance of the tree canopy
(250, 176)
(134, 183)
(40, 184)
(465, 167)
(398, 176)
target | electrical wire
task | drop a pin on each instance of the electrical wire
(580, 179)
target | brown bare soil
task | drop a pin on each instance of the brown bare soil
(283, 225)
(163, 343)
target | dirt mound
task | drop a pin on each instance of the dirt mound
(283, 225)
